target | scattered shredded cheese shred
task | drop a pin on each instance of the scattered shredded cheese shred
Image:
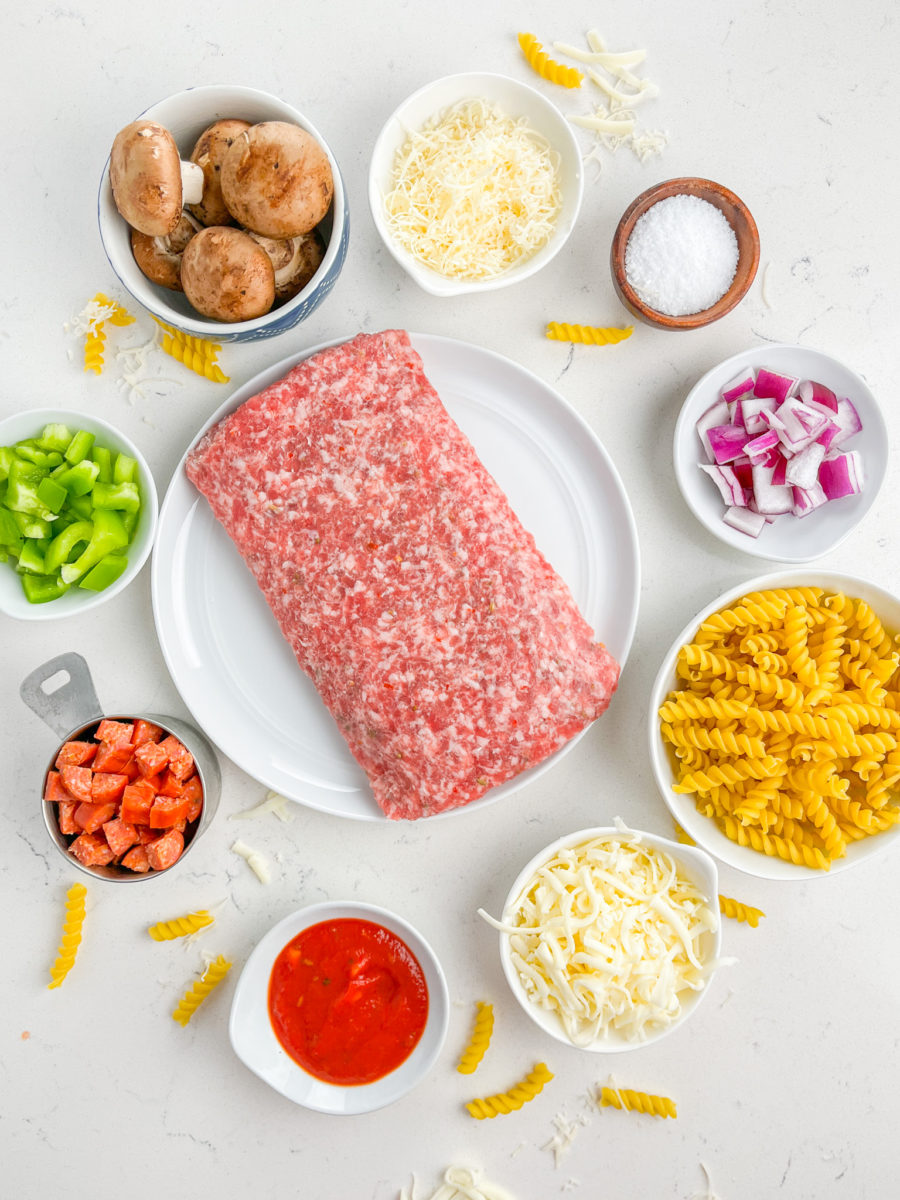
(273, 803)
(610, 936)
(460, 1183)
(254, 860)
(474, 192)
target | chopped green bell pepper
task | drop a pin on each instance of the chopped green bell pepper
(107, 571)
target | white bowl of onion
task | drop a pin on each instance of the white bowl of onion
(780, 451)
(609, 937)
(475, 183)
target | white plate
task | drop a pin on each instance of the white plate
(227, 656)
(253, 1038)
(703, 829)
(788, 538)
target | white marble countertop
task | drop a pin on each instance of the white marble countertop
(786, 1078)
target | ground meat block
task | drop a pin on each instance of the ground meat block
(448, 650)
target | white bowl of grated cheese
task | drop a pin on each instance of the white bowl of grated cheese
(475, 183)
(609, 937)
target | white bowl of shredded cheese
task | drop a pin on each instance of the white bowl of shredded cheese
(609, 937)
(475, 183)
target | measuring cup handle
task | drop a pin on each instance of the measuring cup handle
(70, 705)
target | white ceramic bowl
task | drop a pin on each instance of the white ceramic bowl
(255, 1043)
(516, 100)
(186, 115)
(694, 864)
(78, 600)
(703, 829)
(788, 538)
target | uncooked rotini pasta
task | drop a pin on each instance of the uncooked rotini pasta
(738, 911)
(71, 935)
(94, 346)
(178, 927)
(197, 354)
(507, 1102)
(479, 1041)
(802, 683)
(200, 989)
(547, 67)
(640, 1102)
(589, 335)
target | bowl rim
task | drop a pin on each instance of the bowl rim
(636, 209)
(717, 527)
(149, 506)
(426, 277)
(204, 326)
(702, 829)
(703, 870)
(246, 1007)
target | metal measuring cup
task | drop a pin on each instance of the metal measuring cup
(70, 710)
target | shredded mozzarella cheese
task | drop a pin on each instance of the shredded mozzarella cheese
(609, 935)
(460, 1183)
(474, 192)
(254, 860)
(273, 803)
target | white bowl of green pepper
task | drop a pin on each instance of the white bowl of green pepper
(78, 512)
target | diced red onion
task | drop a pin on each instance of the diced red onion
(751, 523)
(771, 497)
(741, 385)
(752, 408)
(842, 475)
(716, 414)
(806, 500)
(803, 469)
(727, 442)
(759, 448)
(770, 383)
(848, 419)
(818, 392)
(728, 484)
(779, 471)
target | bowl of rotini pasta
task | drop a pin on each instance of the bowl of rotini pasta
(774, 725)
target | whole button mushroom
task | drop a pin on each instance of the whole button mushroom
(295, 261)
(160, 257)
(150, 183)
(226, 275)
(276, 180)
(208, 153)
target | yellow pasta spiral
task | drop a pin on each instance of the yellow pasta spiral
(547, 67)
(94, 345)
(727, 774)
(165, 931)
(684, 706)
(200, 989)
(479, 1041)
(589, 335)
(726, 741)
(71, 935)
(641, 1102)
(507, 1102)
(738, 911)
(119, 315)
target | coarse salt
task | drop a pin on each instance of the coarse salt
(681, 256)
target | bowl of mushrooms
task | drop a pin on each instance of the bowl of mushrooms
(223, 212)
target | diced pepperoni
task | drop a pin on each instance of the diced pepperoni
(168, 785)
(145, 731)
(54, 792)
(165, 850)
(112, 758)
(66, 817)
(120, 835)
(131, 771)
(77, 781)
(91, 850)
(107, 788)
(137, 800)
(146, 834)
(168, 811)
(193, 791)
(114, 733)
(181, 761)
(151, 758)
(76, 754)
(136, 860)
(90, 817)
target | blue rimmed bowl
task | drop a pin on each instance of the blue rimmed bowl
(186, 115)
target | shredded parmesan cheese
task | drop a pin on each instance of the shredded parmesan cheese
(462, 1184)
(474, 192)
(254, 860)
(273, 803)
(609, 935)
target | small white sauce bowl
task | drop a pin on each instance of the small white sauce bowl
(253, 1038)
(703, 829)
(515, 100)
(694, 864)
(77, 599)
(787, 539)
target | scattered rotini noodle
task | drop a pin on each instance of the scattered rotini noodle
(738, 911)
(200, 989)
(512, 1100)
(641, 1102)
(590, 335)
(94, 345)
(71, 935)
(547, 67)
(178, 927)
(479, 1041)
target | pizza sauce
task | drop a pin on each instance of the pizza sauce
(348, 1001)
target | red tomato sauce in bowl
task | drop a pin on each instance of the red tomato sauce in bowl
(348, 1001)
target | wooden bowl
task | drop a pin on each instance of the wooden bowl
(738, 216)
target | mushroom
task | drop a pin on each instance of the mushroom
(150, 183)
(226, 275)
(160, 257)
(208, 154)
(295, 261)
(276, 180)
